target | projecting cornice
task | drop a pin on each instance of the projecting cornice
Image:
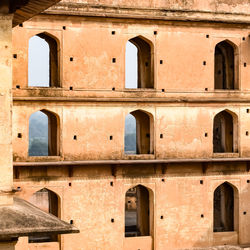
(131, 162)
(129, 96)
(98, 10)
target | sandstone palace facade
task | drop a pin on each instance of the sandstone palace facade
(187, 183)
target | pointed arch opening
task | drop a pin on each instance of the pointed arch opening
(49, 202)
(139, 70)
(226, 66)
(138, 212)
(43, 69)
(225, 133)
(226, 208)
(139, 133)
(43, 134)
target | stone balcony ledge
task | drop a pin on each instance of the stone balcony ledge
(134, 161)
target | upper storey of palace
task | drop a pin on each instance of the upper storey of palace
(202, 68)
(90, 53)
(158, 8)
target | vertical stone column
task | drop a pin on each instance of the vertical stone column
(6, 167)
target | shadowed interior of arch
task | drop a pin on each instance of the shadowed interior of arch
(223, 133)
(139, 66)
(43, 61)
(138, 134)
(224, 66)
(47, 201)
(43, 130)
(224, 208)
(137, 212)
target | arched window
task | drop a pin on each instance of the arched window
(225, 66)
(43, 61)
(47, 201)
(137, 212)
(139, 135)
(139, 63)
(224, 133)
(43, 134)
(225, 208)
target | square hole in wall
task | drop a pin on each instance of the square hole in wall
(207, 36)
(244, 212)
(163, 90)
(161, 61)
(245, 64)
(64, 27)
(206, 134)
(206, 89)
(204, 63)
(70, 184)
(75, 137)
(248, 181)
(20, 25)
(19, 135)
(70, 88)
(111, 183)
(247, 110)
(162, 217)
(161, 136)
(113, 88)
(112, 220)
(18, 86)
(71, 222)
(113, 32)
(243, 38)
(71, 59)
(201, 182)
(202, 215)
(247, 133)
(155, 32)
(15, 56)
(113, 60)
(111, 137)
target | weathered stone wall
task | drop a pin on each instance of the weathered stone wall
(91, 202)
(183, 130)
(183, 105)
(183, 49)
(183, 113)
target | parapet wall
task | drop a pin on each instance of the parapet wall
(232, 6)
(219, 10)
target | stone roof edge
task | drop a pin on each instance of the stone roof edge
(18, 227)
(78, 9)
(30, 9)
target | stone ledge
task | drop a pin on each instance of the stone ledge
(125, 162)
(228, 247)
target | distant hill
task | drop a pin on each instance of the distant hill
(38, 134)
(130, 135)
